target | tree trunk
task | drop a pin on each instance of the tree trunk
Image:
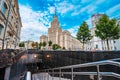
(107, 45)
(102, 44)
(83, 46)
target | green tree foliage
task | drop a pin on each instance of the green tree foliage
(33, 44)
(55, 46)
(22, 44)
(106, 29)
(36, 44)
(83, 34)
(44, 44)
(63, 48)
(40, 45)
(50, 43)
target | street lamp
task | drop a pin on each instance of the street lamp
(48, 56)
(35, 58)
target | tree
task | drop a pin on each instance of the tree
(83, 34)
(59, 47)
(40, 45)
(106, 29)
(44, 44)
(50, 43)
(32, 44)
(36, 44)
(22, 44)
(63, 48)
(54, 46)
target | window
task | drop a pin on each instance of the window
(114, 42)
(11, 17)
(105, 48)
(4, 8)
(96, 46)
(102, 48)
(115, 48)
(1, 27)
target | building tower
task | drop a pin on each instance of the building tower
(62, 38)
(95, 19)
(54, 31)
(95, 42)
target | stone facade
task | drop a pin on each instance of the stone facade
(95, 19)
(43, 38)
(28, 44)
(10, 24)
(62, 38)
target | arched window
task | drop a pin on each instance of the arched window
(4, 8)
(1, 27)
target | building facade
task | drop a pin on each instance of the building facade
(28, 44)
(10, 24)
(62, 38)
(96, 43)
(43, 38)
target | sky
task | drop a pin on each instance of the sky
(36, 15)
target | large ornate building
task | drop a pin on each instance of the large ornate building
(62, 38)
(10, 24)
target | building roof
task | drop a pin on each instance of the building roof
(43, 36)
(97, 14)
(66, 32)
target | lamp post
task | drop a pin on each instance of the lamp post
(35, 62)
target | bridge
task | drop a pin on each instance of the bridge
(71, 65)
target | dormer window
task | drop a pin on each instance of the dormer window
(4, 8)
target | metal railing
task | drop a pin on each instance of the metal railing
(59, 71)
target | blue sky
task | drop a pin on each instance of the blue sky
(36, 15)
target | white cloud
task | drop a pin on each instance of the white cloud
(90, 7)
(64, 7)
(113, 9)
(64, 24)
(89, 22)
(52, 10)
(73, 30)
(33, 23)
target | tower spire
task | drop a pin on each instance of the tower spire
(55, 11)
(55, 14)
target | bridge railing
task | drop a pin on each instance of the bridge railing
(64, 70)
